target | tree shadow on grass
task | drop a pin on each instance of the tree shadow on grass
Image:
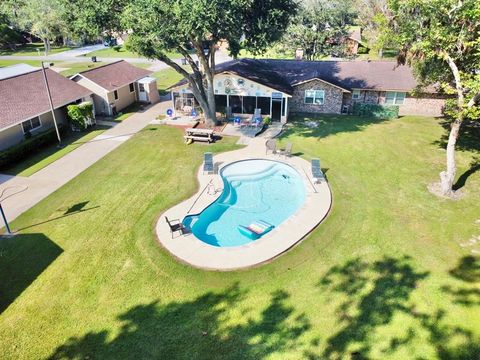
(23, 258)
(474, 167)
(375, 293)
(196, 329)
(391, 282)
(467, 271)
(468, 140)
(321, 125)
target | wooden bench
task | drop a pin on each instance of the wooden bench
(198, 134)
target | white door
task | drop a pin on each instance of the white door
(142, 94)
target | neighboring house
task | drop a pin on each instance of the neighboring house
(280, 87)
(354, 40)
(117, 85)
(24, 104)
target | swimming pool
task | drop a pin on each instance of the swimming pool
(263, 191)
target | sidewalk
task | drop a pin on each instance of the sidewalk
(52, 177)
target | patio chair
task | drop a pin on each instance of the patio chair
(175, 225)
(287, 151)
(317, 173)
(271, 145)
(207, 162)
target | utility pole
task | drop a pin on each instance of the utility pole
(9, 232)
(51, 104)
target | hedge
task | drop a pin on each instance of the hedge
(377, 111)
(80, 115)
(20, 151)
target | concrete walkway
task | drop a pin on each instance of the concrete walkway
(52, 177)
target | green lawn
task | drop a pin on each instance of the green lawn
(46, 156)
(109, 52)
(384, 277)
(73, 68)
(31, 50)
(15, 62)
(167, 77)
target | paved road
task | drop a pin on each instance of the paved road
(52, 177)
(71, 57)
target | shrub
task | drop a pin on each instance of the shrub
(377, 111)
(80, 115)
(29, 146)
(117, 48)
(267, 120)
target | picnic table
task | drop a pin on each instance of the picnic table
(198, 134)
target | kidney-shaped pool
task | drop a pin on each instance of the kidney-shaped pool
(258, 195)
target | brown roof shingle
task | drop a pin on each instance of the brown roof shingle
(24, 96)
(115, 75)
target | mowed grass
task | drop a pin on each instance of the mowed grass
(49, 154)
(167, 77)
(383, 277)
(110, 52)
(33, 49)
(15, 62)
(73, 68)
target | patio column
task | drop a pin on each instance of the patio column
(270, 106)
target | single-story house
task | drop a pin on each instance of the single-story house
(353, 41)
(280, 87)
(117, 85)
(24, 103)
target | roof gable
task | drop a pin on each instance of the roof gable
(24, 96)
(115, 75)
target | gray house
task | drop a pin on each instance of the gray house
(24, 104)
(282, 87)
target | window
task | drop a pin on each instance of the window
(394, 98)
(316, 97)
(132, 88)
(31, 124)
(115, 94)
(141, 87)
(356, 94)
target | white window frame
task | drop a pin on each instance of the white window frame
(31, 124)
(395, 100)
(356, 94)
(115, 95)
(131, 87)
(315, 97)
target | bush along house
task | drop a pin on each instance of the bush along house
(283, 87)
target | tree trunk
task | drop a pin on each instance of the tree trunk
(46, 45)
(447, 177)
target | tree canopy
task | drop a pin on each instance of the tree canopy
(320, 27)
(157, 27)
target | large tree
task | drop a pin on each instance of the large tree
(159, 26)
(374, 17)
(441, 38)
(320, 28)
(42, 18)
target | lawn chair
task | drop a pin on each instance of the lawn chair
(175, 225)
(271, 145)
(317, 173)
(208, 163)
(287, 151)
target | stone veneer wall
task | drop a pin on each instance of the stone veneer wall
(332, 103)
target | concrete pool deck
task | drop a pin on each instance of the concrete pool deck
(189, 249)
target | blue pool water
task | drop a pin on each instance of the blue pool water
(264, 190)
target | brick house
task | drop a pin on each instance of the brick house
(24, 104)
(117, 85)
(283, 87)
